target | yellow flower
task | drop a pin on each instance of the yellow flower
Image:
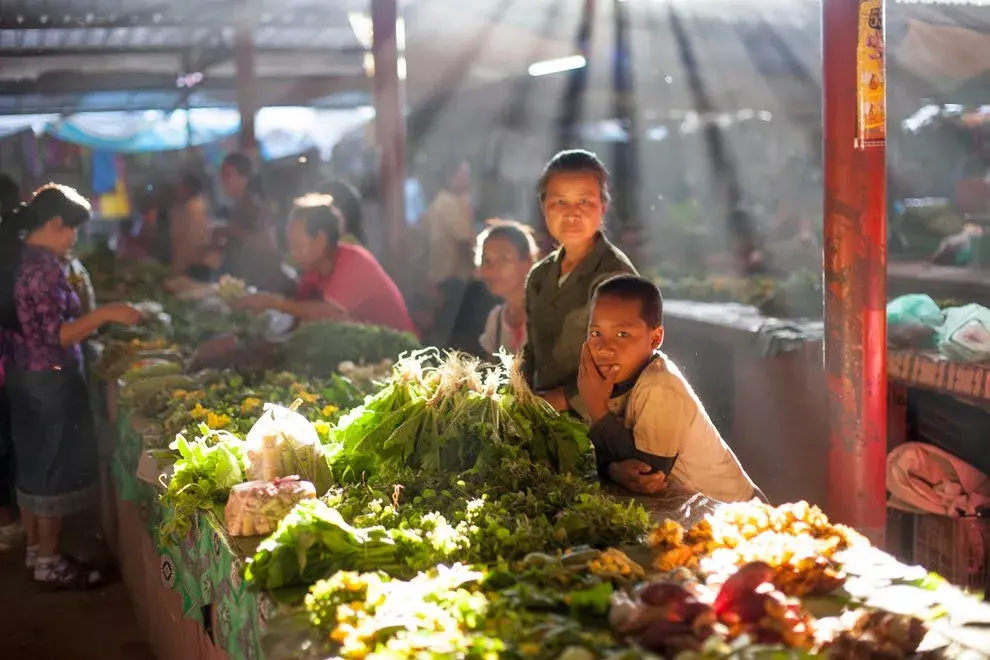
(329, 410)
(217, 422)
(180, 394)
(250, 405)
(199, 412)
(307, 397)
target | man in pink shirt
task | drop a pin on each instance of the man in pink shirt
(340, 282)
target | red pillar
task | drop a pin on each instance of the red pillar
(390, 130)
(855, 286)
(247, 102)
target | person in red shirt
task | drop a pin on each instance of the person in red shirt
(340, 282)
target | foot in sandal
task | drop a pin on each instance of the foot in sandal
(61, 573)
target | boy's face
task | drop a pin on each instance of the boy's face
(618, 335)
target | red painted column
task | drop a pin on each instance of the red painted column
(855, 287)
(390, 130)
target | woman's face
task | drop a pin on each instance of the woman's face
(573, 207)
(58, 237)
(306, 250)
(502, 268)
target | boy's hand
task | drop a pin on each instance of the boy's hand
(594, 388)
(635, 475)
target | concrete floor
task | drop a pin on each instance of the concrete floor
(36, 624)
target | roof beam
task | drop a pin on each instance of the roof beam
(302, 48)
(216, 14)
(61, 84)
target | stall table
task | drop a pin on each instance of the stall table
(762, 381)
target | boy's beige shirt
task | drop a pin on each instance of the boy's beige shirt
(667, 419)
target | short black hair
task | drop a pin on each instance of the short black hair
(633, 287)
(576, 160)
(319, 215)
(240, 162)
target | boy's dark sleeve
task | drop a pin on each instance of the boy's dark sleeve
(614, 443)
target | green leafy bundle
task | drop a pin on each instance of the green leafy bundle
(450, 413)
(314, 541)
(208, 469)
(320, 348)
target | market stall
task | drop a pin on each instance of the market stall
(454, 515)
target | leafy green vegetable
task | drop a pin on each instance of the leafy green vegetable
(320, 348)
(208, 468)
(444, 414)
(314, 541)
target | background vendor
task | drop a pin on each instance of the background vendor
(340, 281)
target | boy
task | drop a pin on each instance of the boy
(647, 423)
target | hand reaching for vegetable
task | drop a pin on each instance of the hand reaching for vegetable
(258, 302)
(121, 314)
(638, 477)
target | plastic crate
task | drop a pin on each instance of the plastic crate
(958, 549)
(958, 427)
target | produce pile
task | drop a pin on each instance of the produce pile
(412, 503)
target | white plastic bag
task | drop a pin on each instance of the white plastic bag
(281, 443)
(965, 335)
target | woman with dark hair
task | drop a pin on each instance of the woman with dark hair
(348, 201)
(42, 329)
(340, 281)
(504, 254)
(574, 196)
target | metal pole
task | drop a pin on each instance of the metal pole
(247, 102)
(390, 129)
(855, 281)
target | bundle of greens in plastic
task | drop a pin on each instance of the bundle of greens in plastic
(282, 443)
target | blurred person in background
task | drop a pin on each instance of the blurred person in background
(11, 532)
(43, 325)
(347, 200)
(189, 227)
(249, 250)
(505, 252)
(140, 239)
(448, 259)
(340, 281)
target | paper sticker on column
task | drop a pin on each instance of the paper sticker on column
(871, 76)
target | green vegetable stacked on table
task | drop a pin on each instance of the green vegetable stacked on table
(207, 469)
(449, 413)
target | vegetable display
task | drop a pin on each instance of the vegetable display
(446, 413)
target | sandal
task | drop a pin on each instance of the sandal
(66, 574)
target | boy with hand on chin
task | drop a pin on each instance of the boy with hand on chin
(647, 424)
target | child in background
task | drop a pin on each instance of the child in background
(504, 254)
(648, 425)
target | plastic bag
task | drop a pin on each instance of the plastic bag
(913, 309)
(256, 507)
(965, 335)
(281, 443)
